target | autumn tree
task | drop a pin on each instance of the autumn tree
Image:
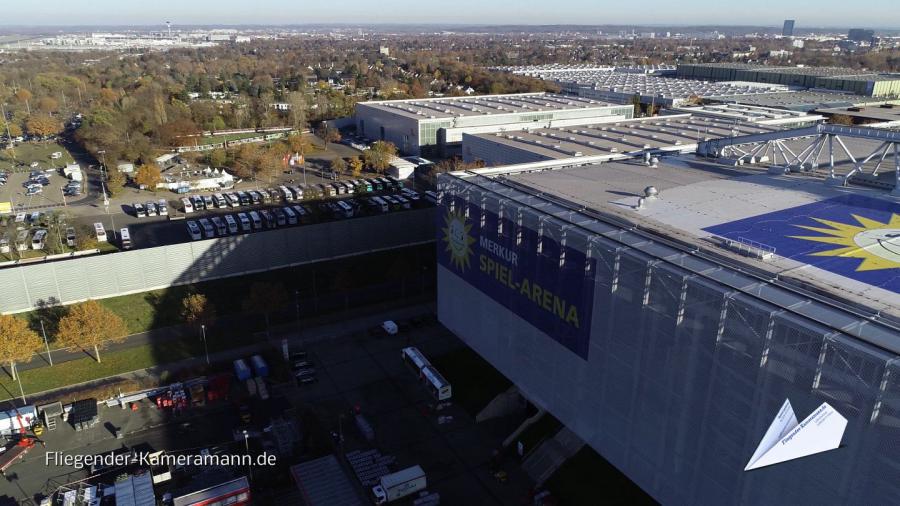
(245, 160)
(217, 157)
(18, 342)
(85, 239)
(47, 105)
(299, 144)
(380, 155)
(197, 309)
(269, 165)
(115, 183)
(91, 325)
(265, 298)
(328, 134)
(148, 176)
(338, 165)
(356, 166)
(42, 125)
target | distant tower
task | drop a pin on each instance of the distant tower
(788, 30)
(169, 27)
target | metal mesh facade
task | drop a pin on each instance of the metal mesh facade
(67, 281)
(687, 364)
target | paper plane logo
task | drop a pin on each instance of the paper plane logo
(787, 440)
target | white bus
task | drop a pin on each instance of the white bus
(220, 226)
(246, 225)
(194, 230)
(257, 221)
(381, 204)
(207, 227)
(125, 237)
(414, 359)
(232, 224)
(288, 194)
(100, 231)
(435, 383)
(291, 215)
(188, 206)
(39, 238)
(346, 209)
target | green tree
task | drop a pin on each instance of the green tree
(91, 325)
(217, 157)
(18, 342)
(380, 155)
(265, 298)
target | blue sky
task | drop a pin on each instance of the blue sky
(871, 13)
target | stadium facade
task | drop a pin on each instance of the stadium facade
(666, 331)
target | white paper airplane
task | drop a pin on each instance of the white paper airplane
(787, 440)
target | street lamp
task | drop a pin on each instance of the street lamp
(247, 447)
(205, 349)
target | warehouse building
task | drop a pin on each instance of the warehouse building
(604, 142)
(622, 88)
(750, 114)
(666, 326)
(802, 101)
(882, 115)
(830, 78)
(435, 126)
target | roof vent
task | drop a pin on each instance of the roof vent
(651, 192)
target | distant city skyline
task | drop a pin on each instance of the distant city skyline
(828, 13)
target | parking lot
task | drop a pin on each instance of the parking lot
(49, 183)
(360, 372)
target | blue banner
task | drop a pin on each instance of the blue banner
(548, 285)
(853, 236)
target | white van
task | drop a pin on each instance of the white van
(188, 206)
(37, 241)
(163, 207)
(70, 237)
(208, 230)
(100, 231)
(232, 224)
(125, 238)
(288, 194)
(246, 224)
(194, 231)
(257, 221)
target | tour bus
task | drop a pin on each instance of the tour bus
(291, 215)
(392, 203)
(100, 231)
(246, 224)
(388, 185)
(280, 216)
(268, 218)
(344, 209)
(404, 203)
(366, 184)
(151, 208)
(233, 200)
(220, 225)
(125, 238)
(163, 207)
(208, 202)
(327, 190)
(232, 224)
(219, 200)
(298, 193)
(288, 194)
(207, 227)
(194, 230)
(139, 210)
(244, 198)
(396, 184)
(414, 359)
(339, 189)
(302, 215)
(37, 241)
(380, 204)
(351, 188)
(376, 184)
(435, 383)
(255, 197)
(70, 237)
(199, 205)
(22, 240)
(257, 221)
(188, 206)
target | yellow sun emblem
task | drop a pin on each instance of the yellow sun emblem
(876, 243)
(459, 242)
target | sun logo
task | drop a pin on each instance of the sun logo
(459, 242)
(876, 243)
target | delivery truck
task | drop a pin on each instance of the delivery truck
(394, 486)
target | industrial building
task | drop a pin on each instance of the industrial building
(750, 114)
(803, 101)
(604, 142)
(882, 115)
(830, 78)
(423, 126)
(552, 70)
(622, 88)
(665, 314)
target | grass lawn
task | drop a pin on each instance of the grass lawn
(475, 381)
(587, 478)
(87, 369)
(28, 152)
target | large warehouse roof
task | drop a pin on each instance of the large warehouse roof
(764, 222)
(675, 132)
(455, 107)
(796, 101)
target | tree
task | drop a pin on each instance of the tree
(265, 298)
(298, 144)
(17, 341)
(328, 134)
(14, 129)
(148, 175)
(85, 238)
(197, 309)
(338, 165)
(42, 125)
(217, 157)
(380, 155)
(115, 183)
(269, 165)
(91, 325)
(48, 105)
(841, 119)
(356, 166)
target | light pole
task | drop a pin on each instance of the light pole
(205, 349)
(19, 379)
(47, 344)
(247, 448)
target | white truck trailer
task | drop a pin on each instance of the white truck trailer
(393, 486)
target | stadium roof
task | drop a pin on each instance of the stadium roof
(789, 228)
(455, 107)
